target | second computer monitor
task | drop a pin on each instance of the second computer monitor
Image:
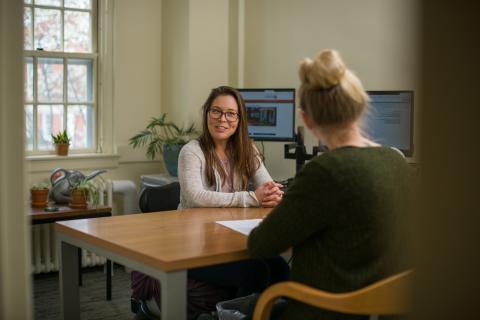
(270, 113)
(390, 119)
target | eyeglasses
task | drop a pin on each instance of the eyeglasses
(217, 114)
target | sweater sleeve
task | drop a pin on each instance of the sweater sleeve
(304, 211)
(190, 173)
(261, 175)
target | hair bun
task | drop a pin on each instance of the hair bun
(325, 71)
(305, 70)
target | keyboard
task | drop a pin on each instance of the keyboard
(286, 184)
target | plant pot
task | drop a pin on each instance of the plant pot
(61, 149)
(79, 199)
(39, 198)
(170, 157)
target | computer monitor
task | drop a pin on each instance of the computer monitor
(390, 119)
(270, 113)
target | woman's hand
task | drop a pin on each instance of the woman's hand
(269, 194)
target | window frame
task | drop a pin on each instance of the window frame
(93, 56)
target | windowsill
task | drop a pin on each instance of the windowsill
(88, 162)
(72, 156)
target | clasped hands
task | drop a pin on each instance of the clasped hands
(269, 194)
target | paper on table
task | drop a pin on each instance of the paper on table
(242, 226)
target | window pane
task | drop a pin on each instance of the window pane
(48, 34)
(49, 121)
(54, 3)
(50, 80)
(80, 82)
(27, 29)
(28, 1)
(79, 123)
(79, 4)
(77, 31)
(28, 85)
(29, 126)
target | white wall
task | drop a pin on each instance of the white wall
(377, 38)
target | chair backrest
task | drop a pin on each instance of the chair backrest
(160, 198)
(385, 297)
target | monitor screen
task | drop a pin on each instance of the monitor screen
(390, 119)
(270, 113)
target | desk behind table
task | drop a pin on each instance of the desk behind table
(40, 216)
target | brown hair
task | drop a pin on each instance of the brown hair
(243, 155)
(329, 92)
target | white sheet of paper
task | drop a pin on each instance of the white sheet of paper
(242, 226)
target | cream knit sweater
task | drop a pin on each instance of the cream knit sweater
(195, 190)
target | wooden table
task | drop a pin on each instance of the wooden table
(40, 216)
(163, 245)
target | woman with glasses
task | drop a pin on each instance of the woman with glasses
(217, 169)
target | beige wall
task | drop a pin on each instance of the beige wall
(377, 38)
(208, 59)
(137, 69)
(175, 64)
(195, 55)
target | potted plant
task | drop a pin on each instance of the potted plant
(165, 137)
(62, 143)
(39, 194)
(84, 191)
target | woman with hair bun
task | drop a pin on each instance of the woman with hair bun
(341, 215)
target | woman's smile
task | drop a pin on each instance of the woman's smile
(221, 129)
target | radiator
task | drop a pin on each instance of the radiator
(44, 251)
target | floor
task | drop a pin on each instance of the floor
(92, 295)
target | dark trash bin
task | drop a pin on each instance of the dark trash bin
(242, 308)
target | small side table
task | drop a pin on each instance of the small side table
(40, 216)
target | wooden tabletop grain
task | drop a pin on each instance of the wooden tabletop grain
(169, 240)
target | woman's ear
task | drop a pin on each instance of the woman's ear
(307, 119)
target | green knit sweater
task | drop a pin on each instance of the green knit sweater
(342, 216)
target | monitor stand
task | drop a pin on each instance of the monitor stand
(299, 152)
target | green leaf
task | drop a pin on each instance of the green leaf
(159, 132)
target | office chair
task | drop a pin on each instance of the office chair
(160, 198)
(385, 297)
(154, 199)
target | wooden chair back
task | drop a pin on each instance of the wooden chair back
(386, 297)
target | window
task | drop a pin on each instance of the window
(60, 73)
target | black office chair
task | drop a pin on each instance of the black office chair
(160, 198)
(154, 199)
